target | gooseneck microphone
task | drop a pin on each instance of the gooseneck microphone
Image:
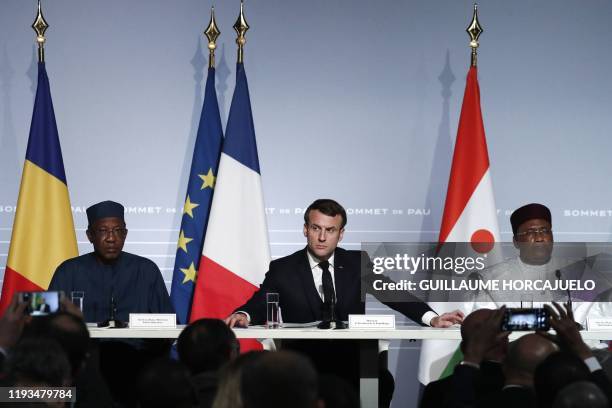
(567, 290)
(569, 298)
(112, 320)
(330, 321)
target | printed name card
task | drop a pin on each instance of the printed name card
(368, 321)
(599, 324)
(152, 321)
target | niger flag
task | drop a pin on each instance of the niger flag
(43, 231)
(470, 216)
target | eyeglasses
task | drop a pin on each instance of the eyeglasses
(105, 232)
(532, 232)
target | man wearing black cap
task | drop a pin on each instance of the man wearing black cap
(533, 236)
(108, 275)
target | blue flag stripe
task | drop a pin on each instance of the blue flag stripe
(240, 141)
(43, 144)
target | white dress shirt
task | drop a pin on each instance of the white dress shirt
(317, 272)
(317, 276)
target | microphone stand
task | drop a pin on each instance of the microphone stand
(569, 298)
(112, 321)
(332, 322)
(569, 294)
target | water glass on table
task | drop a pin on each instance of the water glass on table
(77, 298)
(272, 311)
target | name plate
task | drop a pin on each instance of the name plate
(368, 321)
(599, 323)
(152, 321)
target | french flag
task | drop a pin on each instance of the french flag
(236, 251)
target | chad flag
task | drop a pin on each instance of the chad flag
(43, 232)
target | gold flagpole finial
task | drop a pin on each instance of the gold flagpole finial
(40, 25)
(474, 30)
(241, 28)
(212, 33)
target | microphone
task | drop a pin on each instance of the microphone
(331, 322)
(569, 294)
(113, 308)
(475, 276)
(569, 298)
(339, 324)
(112, 321)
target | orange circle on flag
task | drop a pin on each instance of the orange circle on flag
(482, 241)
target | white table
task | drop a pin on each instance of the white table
(259, 332)
(369, 349)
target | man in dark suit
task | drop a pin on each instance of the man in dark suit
(313, 279)
(42, 306)
(305, 280)
(293, 278)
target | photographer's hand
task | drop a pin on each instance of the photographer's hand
(486, 335)
(71, 308)
(11, 324)
(568, 336)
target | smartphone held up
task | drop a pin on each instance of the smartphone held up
(41, 303)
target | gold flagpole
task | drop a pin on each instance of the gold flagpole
(40, 25)
(241, 27)
(474, 30)
(212, 33)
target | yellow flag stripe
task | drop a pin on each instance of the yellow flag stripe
(43, 231)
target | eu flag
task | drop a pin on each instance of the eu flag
(199, 196)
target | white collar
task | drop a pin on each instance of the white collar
(314, 261)
(535, 268)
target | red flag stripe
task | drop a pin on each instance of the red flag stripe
(470, 159)
(225, 291)
(15, 282)
(221, 291)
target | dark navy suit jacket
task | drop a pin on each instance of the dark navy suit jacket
(291, 277)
